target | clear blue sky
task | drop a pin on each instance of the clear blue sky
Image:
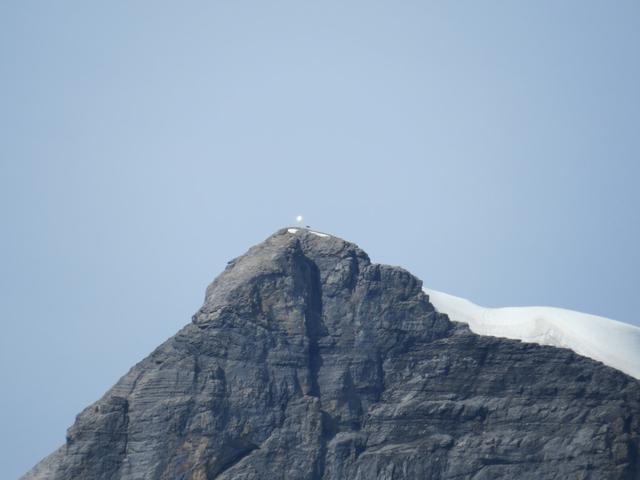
(491, 148)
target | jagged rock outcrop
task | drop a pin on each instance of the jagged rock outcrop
(307, 361)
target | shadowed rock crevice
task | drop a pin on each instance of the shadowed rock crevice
(307, 361)
(237, 453)
(314, 326)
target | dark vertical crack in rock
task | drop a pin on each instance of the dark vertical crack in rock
(125, 427)
(313, 323)
(315, 329)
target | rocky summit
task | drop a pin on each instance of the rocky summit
(307, 361)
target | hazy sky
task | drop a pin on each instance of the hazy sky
(490, 147)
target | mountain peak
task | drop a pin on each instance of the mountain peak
(308, 361)
(289, 255)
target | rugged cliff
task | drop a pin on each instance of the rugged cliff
(307, 361)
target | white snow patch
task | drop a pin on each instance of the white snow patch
(319, 234)
(613, 343)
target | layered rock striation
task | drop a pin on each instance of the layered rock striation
(307, 361)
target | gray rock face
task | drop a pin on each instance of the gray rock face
(307, 361)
